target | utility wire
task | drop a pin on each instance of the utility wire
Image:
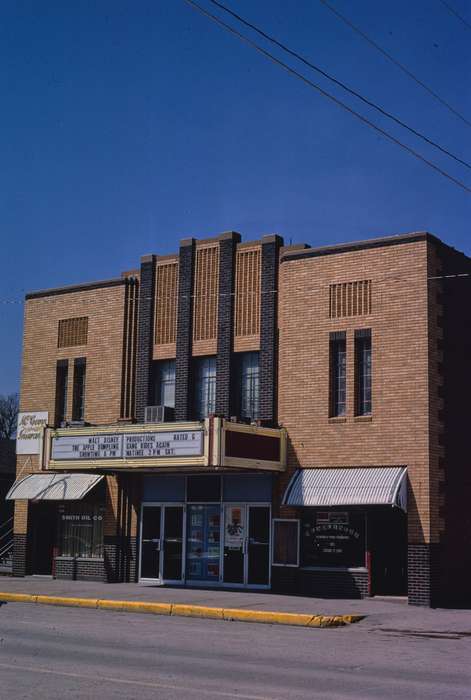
(454, 12)
(338, 82)
(395, 61)
(323, 92)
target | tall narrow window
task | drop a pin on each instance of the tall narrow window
(249, 385)
(363, 372)
(78, 403)
(205, 386)
(338, 374)
(164, 387)
(62, 372)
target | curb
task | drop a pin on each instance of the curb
(181, 610)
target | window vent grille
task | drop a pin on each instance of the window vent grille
(247, 292)
(205, 293)
(350, 299)
(72, 331)
(166, 294)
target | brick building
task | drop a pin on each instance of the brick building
(250, 414)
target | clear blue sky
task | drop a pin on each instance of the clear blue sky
(126, 126)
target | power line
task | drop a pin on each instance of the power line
(454, 12)
(338, 82)
(395, 61)
(326, 94)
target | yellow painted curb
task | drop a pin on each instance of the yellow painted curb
(197, 611)
(18, 597)
(135, 606)
(182, 610)
(70, 602)
(278, 618)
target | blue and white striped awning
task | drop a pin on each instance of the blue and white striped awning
(348, 486)
(53, 487)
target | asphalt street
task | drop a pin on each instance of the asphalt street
(52, 652)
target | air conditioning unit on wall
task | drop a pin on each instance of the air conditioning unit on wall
(159, 414)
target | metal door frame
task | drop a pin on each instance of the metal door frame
(200, 583)
(245, 547)
(159, 579)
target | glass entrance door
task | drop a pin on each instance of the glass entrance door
(258, 546)
(234, 543)
(203, 543)
(150, 542)
(172, 549)
(162, 529)
(247, 545)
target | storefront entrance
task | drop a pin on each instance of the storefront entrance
(162, 543)
(206, 544)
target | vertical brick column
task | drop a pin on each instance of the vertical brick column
(184, 329)
(20, 539)
(144, 334)
(268, 327)
(111, 539)
(225, 330)
(421, 574)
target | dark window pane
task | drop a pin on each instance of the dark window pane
(78, 408)
(285, 542)
(338, 379)
(363, 367)
(204, 488)
(333, 538)
(81, 530)
(62, 372)
(205, 387)
(249, 385)
(164, 390)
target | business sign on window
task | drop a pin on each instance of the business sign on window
(184, 443)
(29, 432)
(333, 538)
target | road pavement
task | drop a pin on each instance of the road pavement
(52, 652)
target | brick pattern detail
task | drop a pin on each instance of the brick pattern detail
(268, 327)
(205, 293)
(397, 431)
(20, 548)
(103, 352)
(227, 249)
(72, 331)
(145, 336)
(419, 574)
(166, 295)
(120, 528)
(128, 381)
(184, 332)
(350, 299)
(247, 297)
(80, 569)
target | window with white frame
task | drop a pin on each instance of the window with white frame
(249, 385)
(204, 386)
(165, 383)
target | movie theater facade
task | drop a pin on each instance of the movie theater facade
(250, 415)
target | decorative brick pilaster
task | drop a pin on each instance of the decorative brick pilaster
(20, 547)
(419, 574)
(227, 248)
(268, 327)
(145, 335)
(184, 330)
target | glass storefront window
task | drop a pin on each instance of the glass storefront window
(333, 538)
(81, 530)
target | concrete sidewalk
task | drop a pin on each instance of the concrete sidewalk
(388, 614)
